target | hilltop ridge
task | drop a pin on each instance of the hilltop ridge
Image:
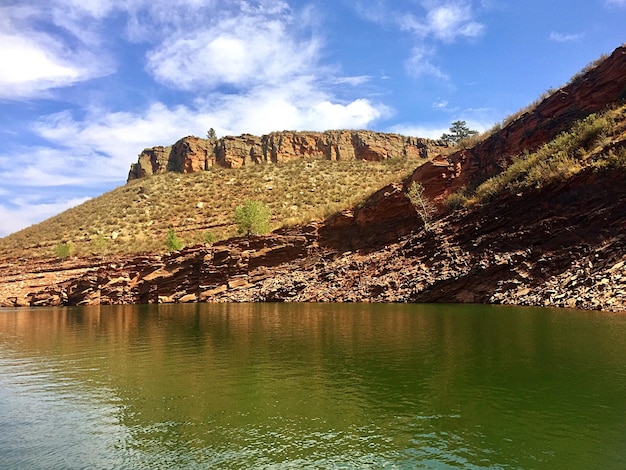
(191, 154)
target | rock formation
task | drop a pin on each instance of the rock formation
(564, 246)
(191, 154)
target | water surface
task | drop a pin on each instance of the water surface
(312, 386)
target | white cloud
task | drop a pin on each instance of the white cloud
(35, 61)
(446, 22)
(352, 81)
(242, 51)
(564, 37)
(297, 105)
(418, 130)
(23, 212)
(420, 63)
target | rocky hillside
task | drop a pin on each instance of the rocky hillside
(543, 222)
(602, 86)
(191, 154)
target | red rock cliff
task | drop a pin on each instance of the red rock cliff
(191, 154)
(602, 86)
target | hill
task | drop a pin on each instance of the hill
(533, 213)
(298, 183)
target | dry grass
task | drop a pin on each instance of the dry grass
(597, 141)
(135, 218)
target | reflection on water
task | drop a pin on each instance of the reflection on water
(311, 386)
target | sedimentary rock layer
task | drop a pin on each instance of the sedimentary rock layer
(191, 154)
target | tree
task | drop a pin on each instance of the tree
(172, 241)
(458, 132)
(252, 218)
(423, 206)
(211, 135)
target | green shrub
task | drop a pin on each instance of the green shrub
(172, 241)
(209, 238)
(456, 200)
(100, 243)
(253, 217)
(64, 250)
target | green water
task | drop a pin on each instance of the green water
(312, 386)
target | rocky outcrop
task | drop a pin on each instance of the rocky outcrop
(192, 154)
(602, 86)
(564, 246)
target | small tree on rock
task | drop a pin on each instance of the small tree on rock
(252, 218)
(211, 135)
(423, 206)
(458, 132)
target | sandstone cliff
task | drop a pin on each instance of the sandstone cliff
(191, 154)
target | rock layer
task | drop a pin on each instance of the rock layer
(191, 154)
(564, 246)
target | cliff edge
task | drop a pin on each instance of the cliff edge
(191, 154)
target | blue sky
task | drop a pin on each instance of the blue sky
(85, 85)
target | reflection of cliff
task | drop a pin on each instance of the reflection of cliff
(197, 383)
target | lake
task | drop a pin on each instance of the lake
(347, 386)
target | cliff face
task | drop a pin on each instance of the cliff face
(191, 154)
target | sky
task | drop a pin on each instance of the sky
(86, 85)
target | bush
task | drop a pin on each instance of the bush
(253, 217)
(456, 200)
(100, 243)
(64, 250)
(209, 238)
(172, 242)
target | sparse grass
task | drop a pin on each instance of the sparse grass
(596, 141)
(135, 218)
(456, 200)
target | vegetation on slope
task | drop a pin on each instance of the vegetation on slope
(135, 218)
(598, 141)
